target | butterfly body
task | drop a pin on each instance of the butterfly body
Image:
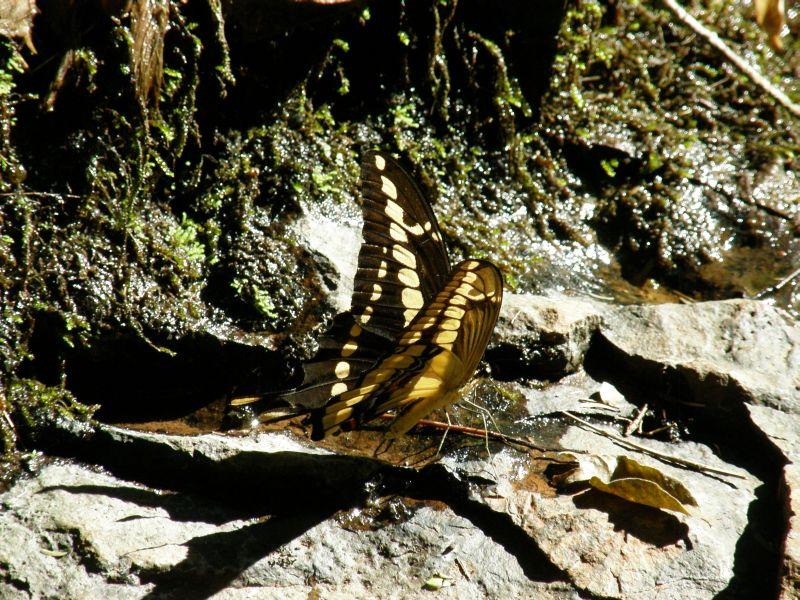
(416, 329)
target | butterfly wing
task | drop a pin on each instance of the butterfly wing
(436, 355)
(402, 263)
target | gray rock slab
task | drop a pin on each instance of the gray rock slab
(611, 548)
(553, 334)
(725, 351)
(71, 531)
(577, 392)
(784, 432)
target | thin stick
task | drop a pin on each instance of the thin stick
(42, 194)
(777, 287)
(682, 462)
(8, 419)
(462, 569)
(477, 433)
(636, 424)
(736, 60)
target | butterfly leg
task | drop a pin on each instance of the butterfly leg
(444, 437)
(485, 411)
(384, 445)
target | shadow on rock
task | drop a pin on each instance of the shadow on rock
(248, 483)
(650, 525)
(213, 561)
(180, 507)
(293, 489)
(438, 483)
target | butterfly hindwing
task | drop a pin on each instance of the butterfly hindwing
(435, 356)
(345, 352)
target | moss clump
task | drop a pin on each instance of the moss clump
(663, 132)
(33, 404)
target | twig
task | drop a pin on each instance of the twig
(637, 421)
(43, 194)
(64, 67)
(736, 60)
(476, 432)
(683, 298)
(7, 419)
(682, 462)
(652, 432)
(777, 287)
(462, 569)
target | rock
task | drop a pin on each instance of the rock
(575, 393)
(542, 337)
(790, 570)
(336, 241)
(784, 432)
(738, 359)
(719, 352)
(16, 21)
(615, 549)
(71, 531)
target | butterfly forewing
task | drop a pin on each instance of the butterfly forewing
(435, 356)
(402, 263)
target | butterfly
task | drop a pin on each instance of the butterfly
(417, 328)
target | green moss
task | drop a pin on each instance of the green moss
(32, 403)
(11, 67)
(188, 252)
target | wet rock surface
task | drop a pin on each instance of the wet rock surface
(163, 515)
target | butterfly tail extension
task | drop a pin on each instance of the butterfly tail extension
(261, 408)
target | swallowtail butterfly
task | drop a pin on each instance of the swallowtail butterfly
(416, 329)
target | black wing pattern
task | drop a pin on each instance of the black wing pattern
(402, 264)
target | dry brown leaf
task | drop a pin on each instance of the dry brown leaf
(627, 467)
(639, 491)
(625, 478)
(771, 17)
